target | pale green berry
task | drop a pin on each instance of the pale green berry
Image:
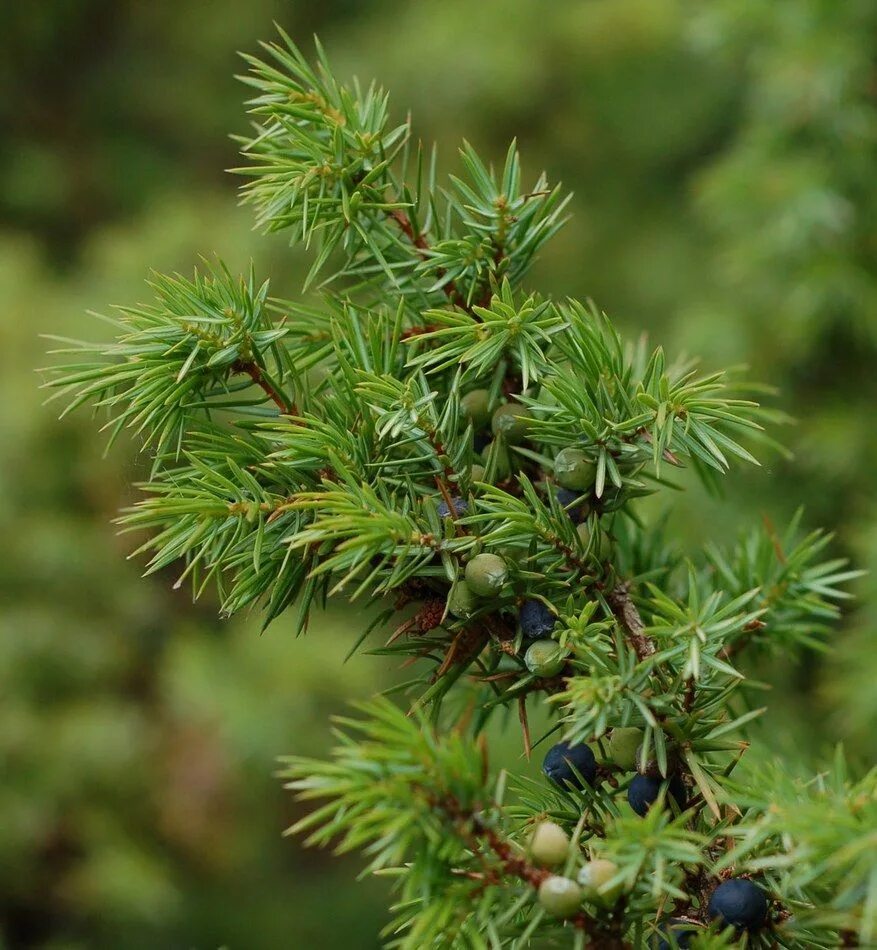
(573, 469)
(560, 896)
(486, 574)
(462, 602)
(602, 545)
(549, 844)
(545, 657)
(594, 877)
(476, 406)
(476, 473)
(497, 461)
(623, 745)
(511, 421)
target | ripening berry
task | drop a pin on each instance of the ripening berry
(573, 469)
(678, 934)
(740, 903)
(462, 601)
(644, 791)
(487, 574)
(536, 619)
(624, 742)
(568, 501)
(460, 507)
(476, 406)
(561, 759)
(594, 877)
(549, 844)
(511, 421)
(560, 896)
(545, 657)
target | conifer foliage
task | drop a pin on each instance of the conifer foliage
(427, 434)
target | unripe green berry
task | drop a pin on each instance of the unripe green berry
(462, 601)
(594, 877)
(545, 657)
(602, 544)
(573, 469)
(624, 743)
(496, 458)
(511, 421)
(476, 473)
(486, 574)
(549, 844)
(476, 406)
(560, 896)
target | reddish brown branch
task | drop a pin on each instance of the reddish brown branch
(419, 331)
(449, 475)
(512, 864)
(525, 725)
(465, 646)
(418, 239)
(628, 616)
(690, 694)
(254, 371)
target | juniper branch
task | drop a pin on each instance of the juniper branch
(429, 431)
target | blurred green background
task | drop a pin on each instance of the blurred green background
(723, 160)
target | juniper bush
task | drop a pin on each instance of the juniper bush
(416, 315)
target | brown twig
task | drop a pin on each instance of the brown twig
(699, 884)
(513, 865)
(419, 331)
(690, 694)
(525, 725)
(444, 481)
(418, 239)
(465, 646)
(572, 557)
(628, 616)
(254, 371)
(404, 222)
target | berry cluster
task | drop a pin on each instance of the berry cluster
(498, 426)
(737, 902)
(495, 428)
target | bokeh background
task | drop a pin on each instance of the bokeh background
(724, 160)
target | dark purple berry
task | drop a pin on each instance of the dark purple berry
(644, 791)
(740, 903)
(536, 620)
(565, 498)
(562, 758)
(679, 930)
(460, 507)
(480, 441)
